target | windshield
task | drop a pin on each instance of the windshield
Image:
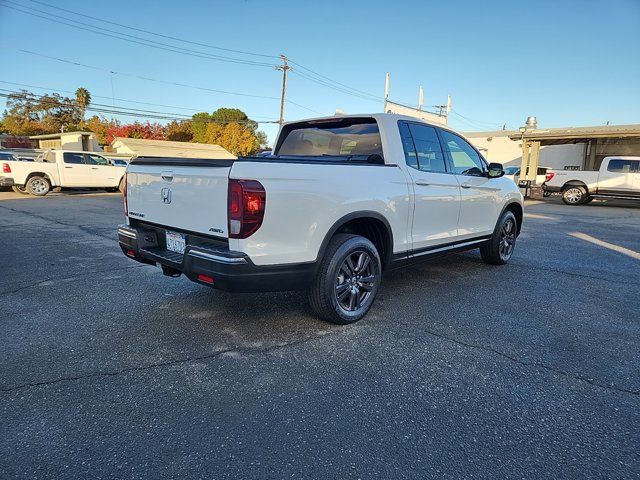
(511, 170)
(341, 137)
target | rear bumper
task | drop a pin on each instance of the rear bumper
(6, 182)
(229, 271)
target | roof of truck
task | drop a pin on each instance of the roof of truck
(384, 118)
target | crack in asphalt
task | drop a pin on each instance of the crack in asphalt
(50, 220)
(532, 364)
(62, 279)
(168, 363)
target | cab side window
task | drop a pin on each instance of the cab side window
(410, 155)
(464, 158)
(430, 157)
(95, 159)
(74, 158)
(623, 166)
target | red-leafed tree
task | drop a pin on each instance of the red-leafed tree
(148, 131)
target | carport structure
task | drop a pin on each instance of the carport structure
(600, 142)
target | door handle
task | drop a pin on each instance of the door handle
(68, 167)
(94, 168)
(422, 183)
(466, 185)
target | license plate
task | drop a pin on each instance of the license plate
(175, 242)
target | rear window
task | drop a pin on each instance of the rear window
(335, 137)
(7, 156)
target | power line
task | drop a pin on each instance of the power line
(112, 98)
(334, 87)
(83, 15)
(476, 123)
(119, 110)
(372, 96)
(166, 82)
(131, 38)
(150, 79)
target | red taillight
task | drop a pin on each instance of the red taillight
(124, 196)
(205, 278)
(549, 176)
(246, 203)
(6, 168)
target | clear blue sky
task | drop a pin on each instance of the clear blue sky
(568, 62)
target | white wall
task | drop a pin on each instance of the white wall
(501, 149)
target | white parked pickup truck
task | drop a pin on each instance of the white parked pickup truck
(618, 177)
(62, 168)
(340, 200)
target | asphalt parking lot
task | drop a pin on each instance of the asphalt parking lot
(461, 370)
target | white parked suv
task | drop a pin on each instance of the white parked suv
(340, 200)
(62, 168)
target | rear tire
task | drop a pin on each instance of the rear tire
(20, 189)
(574, 195)
(498, 250)
(38, 186)
(347, 280)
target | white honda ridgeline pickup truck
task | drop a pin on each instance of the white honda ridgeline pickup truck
(341, 200)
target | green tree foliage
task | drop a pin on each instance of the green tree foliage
(179, 131)
(30, 114)
(199, 126)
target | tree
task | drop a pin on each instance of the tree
(234, 137)
(29, 114)
(83, 99)
(179, 131)
(100, 126)
(148, 131)
(199, 126)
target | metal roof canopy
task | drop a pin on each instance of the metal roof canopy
(561, 136)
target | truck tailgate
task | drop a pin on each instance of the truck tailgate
(184, 196)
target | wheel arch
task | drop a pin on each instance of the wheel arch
(518, 212)
(575, 183)
(40, 174)
(369, 224)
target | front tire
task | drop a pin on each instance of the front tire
(574, 195)
(38, 186)
(347, 281)
(498, 250)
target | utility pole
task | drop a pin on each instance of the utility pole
(284, 67)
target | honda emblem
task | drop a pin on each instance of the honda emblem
(166, 195)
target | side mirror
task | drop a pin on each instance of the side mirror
(495, 170)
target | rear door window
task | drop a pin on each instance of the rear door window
(430, 156)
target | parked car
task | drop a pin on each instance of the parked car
(61, 168)
(544, 173)
(341, 200)
(118, 162)
(618, 177)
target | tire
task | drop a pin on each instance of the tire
(498, 250)
(112, 189)
(20, 189)
(38, 186)
(347, 280)
(121, 185)
(574, 195)
(589, 200)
